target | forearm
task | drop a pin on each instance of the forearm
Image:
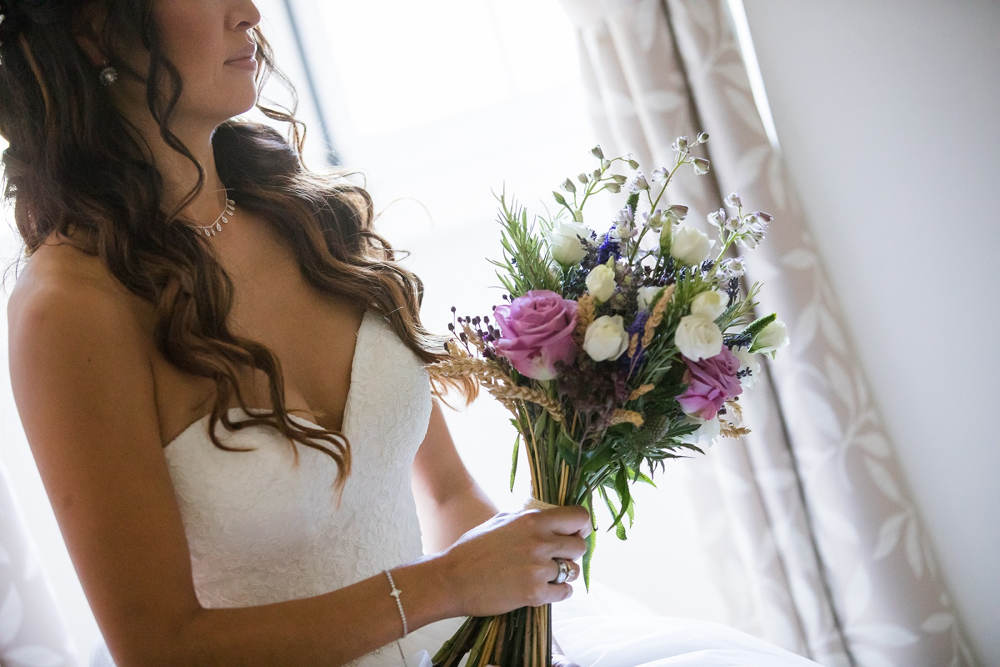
(331, 628)
(459, 514)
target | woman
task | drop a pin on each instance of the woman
(185, 267)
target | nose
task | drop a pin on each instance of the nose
(246, 15)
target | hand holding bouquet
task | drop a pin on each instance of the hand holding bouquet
(609, 354)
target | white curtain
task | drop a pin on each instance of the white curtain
(31, 626)
(816, 543)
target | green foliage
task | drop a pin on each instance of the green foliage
(513, 465)
(527, 262)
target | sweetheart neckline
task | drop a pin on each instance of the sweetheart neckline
(347, 402)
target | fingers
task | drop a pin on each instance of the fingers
(566, 519)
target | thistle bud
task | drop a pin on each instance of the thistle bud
(702, 137)
(598, 153)
(559, 198)
(701, 166)
(733, 200)
(680, 144)
(568, 186)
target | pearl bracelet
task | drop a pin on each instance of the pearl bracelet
(395, 593)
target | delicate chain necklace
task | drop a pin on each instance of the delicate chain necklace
(223, 218)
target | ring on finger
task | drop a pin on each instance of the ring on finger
(565, 569)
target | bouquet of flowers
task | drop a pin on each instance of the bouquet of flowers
(609, 355)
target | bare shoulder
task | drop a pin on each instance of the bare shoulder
(62, 271)
(85, 394)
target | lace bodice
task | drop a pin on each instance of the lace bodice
(262, 529)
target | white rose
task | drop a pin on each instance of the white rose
(772, 337)
(710, 303)
(645, 296)
(690, 245)
(606, 338)
(566, 247)
(601, 282)
(706, 434)
(698, 337)
(748, 360)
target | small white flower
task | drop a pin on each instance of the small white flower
(732, 224)
(646, 295)
(680, 144)
(606, 338)
(706, 434)
(732, 267)
(701, 166)
(771, 338)
(733, 200)
(636, 182)
(748, 360)
(690, 246)
(677, 212)
(566, 248)
(698, 337)
(659, 174)
(710, 303)
(717, 217)
(601, 282)
(624, 218)
(654, 220)
(702, 137)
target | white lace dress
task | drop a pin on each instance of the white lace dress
(262, 529)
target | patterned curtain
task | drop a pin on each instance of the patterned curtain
(31, 628)
(807, 521)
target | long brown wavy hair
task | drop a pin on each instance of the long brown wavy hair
(73, 164)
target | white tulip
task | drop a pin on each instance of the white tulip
(710, 303)
(606, 338)
(706, 434)
(771, 338)
(698, 337)
(566, 247)
(690, 245)
(645, 296)
(601, 282)
(751, 361)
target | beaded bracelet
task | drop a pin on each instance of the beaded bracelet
(395, 593)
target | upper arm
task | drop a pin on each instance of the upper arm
(438, 470)
(84, 391)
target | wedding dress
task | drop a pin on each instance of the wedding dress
(261, 529)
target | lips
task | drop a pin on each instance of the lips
(247, 52)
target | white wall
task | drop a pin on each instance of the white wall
(887, 115)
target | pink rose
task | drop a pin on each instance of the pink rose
(536, 331)
(711, 382)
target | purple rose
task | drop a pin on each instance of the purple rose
(536, 331)
(711, 382)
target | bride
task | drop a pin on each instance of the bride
(219, 367)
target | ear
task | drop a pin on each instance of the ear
(87, 25)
